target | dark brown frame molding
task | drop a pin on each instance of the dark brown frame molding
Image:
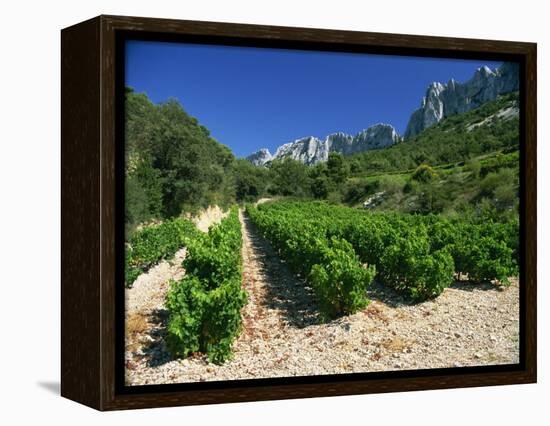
(90, 163)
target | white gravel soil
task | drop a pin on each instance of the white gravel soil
(467, 325)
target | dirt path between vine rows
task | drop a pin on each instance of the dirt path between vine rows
(466, 325)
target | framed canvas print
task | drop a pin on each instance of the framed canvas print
(254, 212)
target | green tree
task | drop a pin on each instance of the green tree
(172, 162)
(290, 177)
(337, 169)
(473, 166)
(250, 181)
(321, 187)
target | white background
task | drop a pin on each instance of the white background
(30, 209)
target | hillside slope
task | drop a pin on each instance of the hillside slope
(467, 162)
(492, 127)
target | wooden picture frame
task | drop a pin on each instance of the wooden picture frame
(91, 203)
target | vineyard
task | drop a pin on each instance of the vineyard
(152, 244)
(303, 267)
(339, 249)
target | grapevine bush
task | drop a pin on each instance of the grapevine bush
(152, 244)
(205, 306)
(409, 266)
(339, 280)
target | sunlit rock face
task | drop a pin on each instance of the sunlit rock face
(441, 100)
(260, 158)
(308, 150)
(311, 150)
(444, 100)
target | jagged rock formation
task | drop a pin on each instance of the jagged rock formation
(308, 150)
(261, 157)
(312, 150)
(444, 100)
(377, 136)
(441, 101)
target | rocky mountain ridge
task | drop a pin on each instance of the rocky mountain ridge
(311, 150)
(260, 157)
(441, 101)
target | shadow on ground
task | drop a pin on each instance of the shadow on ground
(156, 353)
(394, 299)
(52, 387)
(387, 295)
(471, 286)
(285, 292)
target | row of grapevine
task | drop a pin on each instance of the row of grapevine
(152, 244)
(205, 306)
(417, 255)
(331, 265)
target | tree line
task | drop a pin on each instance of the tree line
(174, 165)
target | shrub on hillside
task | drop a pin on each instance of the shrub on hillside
(424, 173)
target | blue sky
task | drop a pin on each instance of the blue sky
(253, 98)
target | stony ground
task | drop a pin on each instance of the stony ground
(145, 303)
(211, 215)
(466, 325)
